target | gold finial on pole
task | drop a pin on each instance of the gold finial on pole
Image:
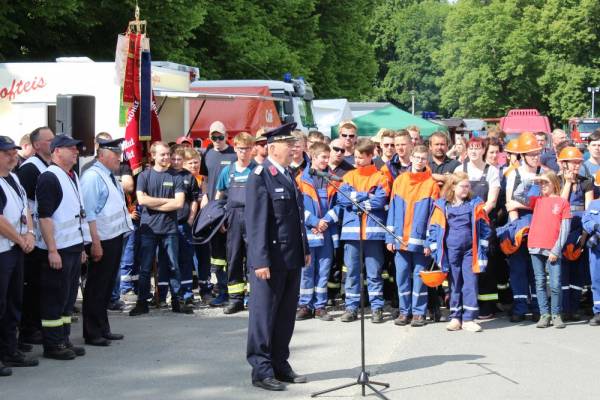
(137, 25)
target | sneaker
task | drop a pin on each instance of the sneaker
(233, 307)
(544, 321)
(557, 322)
(377, 316)
(402, 320)
(595, 321)
(471, 326)
(78, 350)
(517, 318)
(349, 316)
(18, 359)
(219, 301)
(304, 313)
(454, 325)
(323, 315)
(60, 352)
(417, 321)
(139, 309)
(181, 308)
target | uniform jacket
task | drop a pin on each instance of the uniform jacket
(511, 235)
(313, 212)
(370, 188)
(393, 168)
(480, 230)
(411, 205)
(274, 220)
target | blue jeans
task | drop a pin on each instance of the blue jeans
(373, 254)
(129, 274)
(412, 293)
(168, 246)
(540, 263)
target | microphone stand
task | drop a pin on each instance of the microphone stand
(363, 378)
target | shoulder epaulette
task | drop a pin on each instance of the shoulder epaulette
(258, 170)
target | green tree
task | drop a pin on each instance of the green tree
(406, 34)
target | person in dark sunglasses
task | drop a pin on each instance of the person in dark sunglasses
(348, 133)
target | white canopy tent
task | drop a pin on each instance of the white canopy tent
(329, 113)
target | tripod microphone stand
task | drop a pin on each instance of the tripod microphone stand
(363, 378)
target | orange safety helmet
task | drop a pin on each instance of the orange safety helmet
(512, 146)
(433, 278)
(570, 153)
(528, 143)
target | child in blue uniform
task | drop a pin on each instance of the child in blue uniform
(591, 225)
(320, 220)
(458, 239)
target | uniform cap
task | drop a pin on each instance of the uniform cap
(7, 143)
(63, 140)
(217, 126)
(112, 144)
(284, 132)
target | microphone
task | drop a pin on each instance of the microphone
(325, 175)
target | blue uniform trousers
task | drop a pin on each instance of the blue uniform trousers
(236, 256)
(271, 321)
(522, 282)
(595, 275)
(59, 289)
(218, 260)
(373, 255)
(313, 285)
(186, 260)
(11, 298)
(412, 293)
(463, 284)
(202, 260)
(129, 262)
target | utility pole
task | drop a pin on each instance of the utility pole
(593, 90)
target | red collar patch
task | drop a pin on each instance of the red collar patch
(273, 170)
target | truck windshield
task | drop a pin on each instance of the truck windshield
(306, 114)
(588, 127)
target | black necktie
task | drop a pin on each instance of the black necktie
(112, 178)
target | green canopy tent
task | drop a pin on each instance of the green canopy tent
(391, 117)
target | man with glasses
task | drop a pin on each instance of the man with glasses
(232, 187)
(108, 219)
(348, 133)
(28, 173)
(337, 160)
(215, 159)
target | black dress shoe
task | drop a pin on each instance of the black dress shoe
(269, 383)
(102, 342)
(113, 336)
(291, 377)
(25, 347)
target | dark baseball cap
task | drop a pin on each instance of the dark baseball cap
(7, 143)
(64, 140)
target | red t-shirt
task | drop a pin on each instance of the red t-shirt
(548, 213)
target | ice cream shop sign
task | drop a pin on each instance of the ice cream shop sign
(20, 86)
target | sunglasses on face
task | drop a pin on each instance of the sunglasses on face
(337, 149)
(216, 138)
(387, 145)
(347, 136)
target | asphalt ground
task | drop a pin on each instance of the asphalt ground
(202, 356)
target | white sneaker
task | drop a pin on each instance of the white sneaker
(454, 325)
(471, 326)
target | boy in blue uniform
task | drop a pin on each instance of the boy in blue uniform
(232, 185)
(320, 220)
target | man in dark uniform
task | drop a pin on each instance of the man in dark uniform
(274, 216)
(109, 220)
(16, 238)
(28, 173)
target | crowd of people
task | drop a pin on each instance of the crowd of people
(495, 218)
